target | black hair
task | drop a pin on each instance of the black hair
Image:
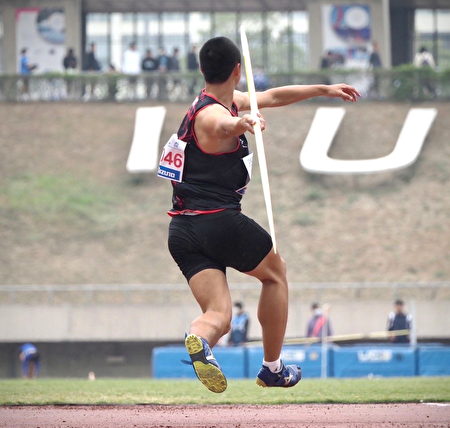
(238, 305)
(399, 302)
(218, 57)
(423, 49)
(315, 306)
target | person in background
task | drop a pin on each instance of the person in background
(326, 62)
(70, 60)
(149, 65)
(375, 64)
(131, 65)
(239, 326)
(174, 66)
(70, 64)
(424, 59)
(163, 66)
(261, 80)
(163, 60)
(174, 60)
(25, 67)
(91, 62)
(25, 70)
(30, 359)
(399, 320)
(131, 61)
(318, 323)
(193, 67)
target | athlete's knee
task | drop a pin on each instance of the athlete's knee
(276, 271)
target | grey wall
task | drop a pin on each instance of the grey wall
(163, 312)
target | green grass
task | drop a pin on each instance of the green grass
(142, 391)
(49, 196)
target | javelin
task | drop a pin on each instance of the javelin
(339, 338)
(258, 136)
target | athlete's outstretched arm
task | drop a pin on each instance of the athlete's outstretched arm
(217, 122)
(284, 95)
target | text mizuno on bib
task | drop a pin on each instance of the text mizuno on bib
(172, 160)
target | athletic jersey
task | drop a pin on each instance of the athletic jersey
(211, 182)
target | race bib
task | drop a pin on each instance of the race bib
(171, 164)
(248, 162)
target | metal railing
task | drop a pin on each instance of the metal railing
(403, 84)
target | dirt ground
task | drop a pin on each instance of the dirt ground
(315, 415)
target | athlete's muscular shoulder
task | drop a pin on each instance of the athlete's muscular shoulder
(241, 100)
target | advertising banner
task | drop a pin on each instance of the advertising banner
(347, 32)
(42, 31)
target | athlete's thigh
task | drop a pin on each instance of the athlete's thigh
(252, 246)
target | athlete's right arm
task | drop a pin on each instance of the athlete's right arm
(217, 122)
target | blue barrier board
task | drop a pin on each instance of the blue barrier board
(434, 360)
(309, 358)
(166, 362)
(360, 361)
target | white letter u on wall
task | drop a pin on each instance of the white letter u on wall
(314, 154)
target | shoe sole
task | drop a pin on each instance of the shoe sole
(259, 382)
(208, 374)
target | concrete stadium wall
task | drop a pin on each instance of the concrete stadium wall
(163, 312)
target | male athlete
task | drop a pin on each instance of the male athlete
(208, 161)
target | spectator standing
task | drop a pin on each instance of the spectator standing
(375, 58)
(25, 70)
(174, 67)
(25, 67)
(319, 325)
(239, 325)
(193, 67)
(91, 62)
(326, 62)
(70, 61)
(149, 65)
(163, 66)
(399, 320)
(174, 60)
(131, 62)
(131, 65)
(93, 65)
(30, 359)
(375, 64)
(424, 59)
(70, 64)
(149, 62)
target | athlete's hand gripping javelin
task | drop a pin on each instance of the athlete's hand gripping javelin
(247, 122)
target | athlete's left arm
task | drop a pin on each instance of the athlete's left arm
(284, 95)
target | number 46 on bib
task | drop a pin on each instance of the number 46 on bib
(171, 164)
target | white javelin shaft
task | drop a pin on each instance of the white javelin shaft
(258, 136)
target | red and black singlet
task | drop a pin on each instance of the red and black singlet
(210, 181)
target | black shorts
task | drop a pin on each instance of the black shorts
(217, 241)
